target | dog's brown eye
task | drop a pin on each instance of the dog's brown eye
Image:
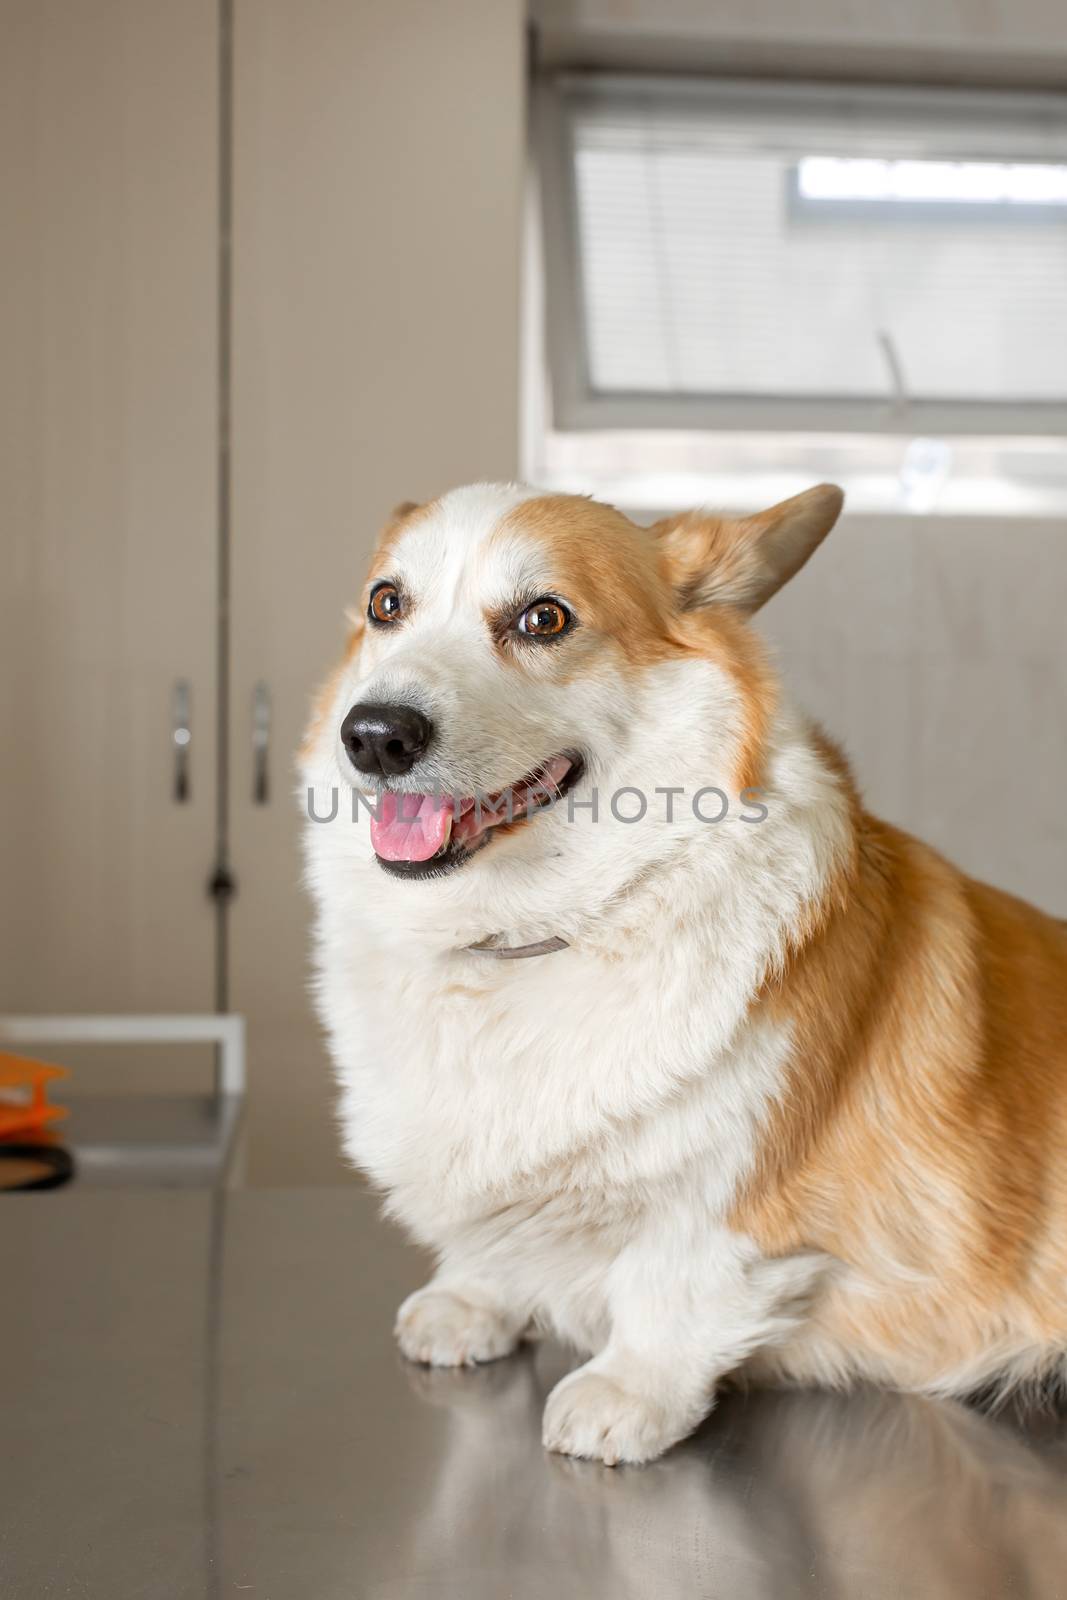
(385, 603)
(544, 619)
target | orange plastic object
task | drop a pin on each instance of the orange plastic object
(25, 1109)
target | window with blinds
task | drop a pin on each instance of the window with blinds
(740, 255)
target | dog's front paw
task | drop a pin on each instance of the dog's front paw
(591, 1414)
(442, 1329)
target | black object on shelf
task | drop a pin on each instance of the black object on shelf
(45, 1166)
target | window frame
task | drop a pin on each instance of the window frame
(577, 406)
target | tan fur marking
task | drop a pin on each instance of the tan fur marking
(617, 578)
(920, 1136)
(741, 562)
(604, 565)
(694, 544)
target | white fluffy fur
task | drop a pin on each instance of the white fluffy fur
(567, 1133)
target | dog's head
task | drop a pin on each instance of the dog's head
(510, 648)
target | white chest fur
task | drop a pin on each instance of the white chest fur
(566, 1086)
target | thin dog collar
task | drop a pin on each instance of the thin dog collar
(515, 952)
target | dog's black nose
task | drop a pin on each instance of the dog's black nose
(385, 740)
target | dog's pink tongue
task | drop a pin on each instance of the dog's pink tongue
(411, 827)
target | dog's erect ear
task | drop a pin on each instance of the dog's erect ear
(718, 561)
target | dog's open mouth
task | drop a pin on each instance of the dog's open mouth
(424, 835)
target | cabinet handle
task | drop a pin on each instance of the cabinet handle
(260, 744)
(181, 737)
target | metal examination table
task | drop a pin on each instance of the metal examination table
(202, 1401)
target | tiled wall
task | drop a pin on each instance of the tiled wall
(935, 651)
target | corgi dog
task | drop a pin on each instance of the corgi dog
(749, 1085)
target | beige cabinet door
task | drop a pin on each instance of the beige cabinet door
(108, 167)
(378, 180)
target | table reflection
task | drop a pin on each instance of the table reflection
(780, 1493)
